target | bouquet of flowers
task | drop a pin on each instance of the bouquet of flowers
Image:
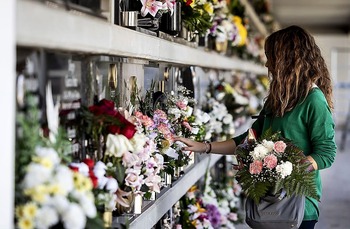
(272, 163)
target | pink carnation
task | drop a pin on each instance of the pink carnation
(279, 146)
(270, 161)
(146, 121)
(255, 167)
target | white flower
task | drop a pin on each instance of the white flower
(36, 175)
(82, 168)
(46, 217)
(74, 217)
(100, 169)
(138, 141)
(194, 130)
(259, 152)
(268, 144)
(60, 202)
(175, 111)
(110, 205)
(284, 169)
(88, 206)
(49, 153)
(189, 111)
(64, 178)
(117, 145)
(172, 153)
(112, 185)
(227, 119)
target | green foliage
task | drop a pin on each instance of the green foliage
(300, 181)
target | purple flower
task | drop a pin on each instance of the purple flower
(214, 215)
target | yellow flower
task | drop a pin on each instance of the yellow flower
(192, 189)
(25, 223)
(228, 88)
(209, 8)
(82, 183)
(56, 189)
(243, 33)
(38, 193)
(19, 211)
(44, 161)
(30, 210)
(165, 144)
(200, 209)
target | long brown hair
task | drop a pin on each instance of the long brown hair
(295, 63)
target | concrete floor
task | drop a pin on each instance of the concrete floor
(335, 202)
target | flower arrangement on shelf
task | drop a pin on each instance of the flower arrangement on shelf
(48, 193)
(197, 15)
(193, 214)
(153, 7)
(222, 193)
(273, 163)
(165, 115)
(130, 155)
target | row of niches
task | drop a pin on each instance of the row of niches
(219, 26)
(97, 132)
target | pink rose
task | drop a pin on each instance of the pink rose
(181, 104)
(255, 167)
(270, 161)
(279, 146)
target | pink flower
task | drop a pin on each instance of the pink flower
(163, 128)
(134, 180)
(279, 146)
(255, 167)
(146, 121)
(130, 159)
(232, 216)
(160, 114)
(181, 104)
(151, 7)
(270, 161)
(187, 125)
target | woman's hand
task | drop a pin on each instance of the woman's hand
(191, 145)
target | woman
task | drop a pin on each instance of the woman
(299, 105)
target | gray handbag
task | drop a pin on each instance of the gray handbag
(275, 212)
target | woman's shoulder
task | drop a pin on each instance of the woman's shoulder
(315, 95)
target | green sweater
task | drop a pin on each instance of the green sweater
(311, 127)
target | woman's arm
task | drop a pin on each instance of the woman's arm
(227, 147)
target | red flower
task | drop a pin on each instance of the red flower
(105, 107)
(89, 162)
(74, 169)
(189, 2)
(93, 178)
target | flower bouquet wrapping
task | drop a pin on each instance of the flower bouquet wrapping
(273, 163)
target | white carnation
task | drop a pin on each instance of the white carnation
(46, 217)
(259, 152)
(268, 144)
(61, 203)
(284, 169)
(88, 206)
(74, 217)
(64, 178)
(227, 119)
(36, 175)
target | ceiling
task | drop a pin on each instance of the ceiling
(317, 16)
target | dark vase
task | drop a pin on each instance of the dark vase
(171, 23)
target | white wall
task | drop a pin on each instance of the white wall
(340, 72)
(7, 104)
